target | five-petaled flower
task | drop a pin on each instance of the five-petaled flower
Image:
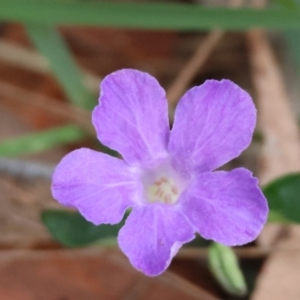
(166, 177)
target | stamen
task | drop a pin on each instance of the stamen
(162, 190)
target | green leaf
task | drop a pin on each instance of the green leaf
(277, 217)
(72, 230)
(175, 16)
(41, 141)
(224, 265)
(283, 196)
(49, 42)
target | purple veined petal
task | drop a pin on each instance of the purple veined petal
(214, 123)
(152, 235)
(227, 207)
(132, 117)
(101, 187)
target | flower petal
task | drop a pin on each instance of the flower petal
(214, 123)
(152, 235)
(227, 207)
(101, 187)
(132, 117)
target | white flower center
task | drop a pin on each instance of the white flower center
(162, 190)
(162, 184)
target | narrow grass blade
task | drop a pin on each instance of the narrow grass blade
(175, 16)
(41, 141)
(50, 43)
(291, 4)
(293, 42)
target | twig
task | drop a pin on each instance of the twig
(247, 252)
(22, 57)
(198, 59)
(281, 148)
(27, 99)
(31, 60)
(280, 155)
(196, 62)
(26, 169)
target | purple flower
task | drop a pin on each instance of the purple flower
(166, 176)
